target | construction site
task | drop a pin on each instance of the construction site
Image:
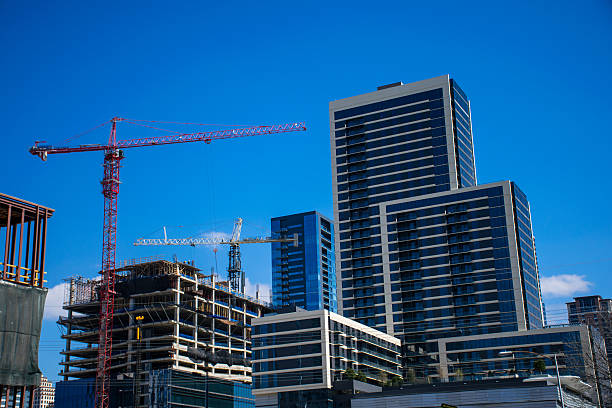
(172, 327)
(153, 332)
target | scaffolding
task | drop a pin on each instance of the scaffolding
(162, 308)
(23, 239)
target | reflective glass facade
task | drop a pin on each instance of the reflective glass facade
(305, 275)
(453, 264)
(462, 130)
(528, 262)
(394, 144)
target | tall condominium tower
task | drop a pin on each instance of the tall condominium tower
(305, 275)
(423, 252)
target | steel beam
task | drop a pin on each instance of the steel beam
(43, 250)
(20, 242)
(27, 251)
(6, 243)
(35, 246)
(13, 242)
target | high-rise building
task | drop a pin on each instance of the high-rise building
(422, 251)
(44, 395)
(304, 275)
(594, 311)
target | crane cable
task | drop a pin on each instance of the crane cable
(86, 132)
(186, 123)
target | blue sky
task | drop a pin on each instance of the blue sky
(538, 78)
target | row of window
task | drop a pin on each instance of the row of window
(287, 364)
(563, 337)
(459, 195)
(358, 131)
(386, 165)
(288, 379)
(287, 338)
(432, 104)
(388, 103)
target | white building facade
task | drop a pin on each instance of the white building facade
(44, 395)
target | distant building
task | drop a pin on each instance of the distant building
(580, 352)
(297, 356)
(540, 392)
(594, 311)
(44, 395)
(23, 245)
(304, 276)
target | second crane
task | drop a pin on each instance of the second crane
(235, 274)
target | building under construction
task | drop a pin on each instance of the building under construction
(173, 328)
(23, 238)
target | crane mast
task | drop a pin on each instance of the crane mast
(113, 154)
(110, 191)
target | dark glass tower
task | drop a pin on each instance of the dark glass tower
(423, 252)
(305, 275)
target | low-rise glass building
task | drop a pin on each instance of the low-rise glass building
(580, 352)
(300, 354)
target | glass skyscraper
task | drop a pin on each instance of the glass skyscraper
(304, 276)
(423, 251)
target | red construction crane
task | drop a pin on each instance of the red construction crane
(113, 154)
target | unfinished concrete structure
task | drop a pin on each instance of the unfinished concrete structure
(23, 238)
(163, 310)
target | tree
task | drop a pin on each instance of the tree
(410, 376)
(383, 378)
(361, 377)
(539, 366)
(396, 381)
(350, 373)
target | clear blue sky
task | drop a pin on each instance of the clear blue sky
(537, 74)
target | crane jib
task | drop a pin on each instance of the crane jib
(206, 137)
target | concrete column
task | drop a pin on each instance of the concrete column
(131, 336)
(177, 315)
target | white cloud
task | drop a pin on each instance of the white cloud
(54, 302)
(564, 285)
(264, 290)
